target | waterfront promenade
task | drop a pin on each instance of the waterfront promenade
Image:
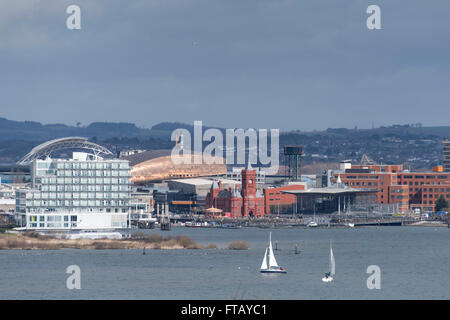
(302, 221)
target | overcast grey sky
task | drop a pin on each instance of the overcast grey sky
(288, 64)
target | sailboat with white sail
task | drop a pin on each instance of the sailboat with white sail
(348, 224)
(269, 263)
(313, 223)
(332, 271)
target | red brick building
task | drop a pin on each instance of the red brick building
(409, 190)
(275, 201)
(244, 203)
(425, 188)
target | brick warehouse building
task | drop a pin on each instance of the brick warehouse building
(410, 190)
(248, 202)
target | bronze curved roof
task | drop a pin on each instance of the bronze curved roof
(164, 168)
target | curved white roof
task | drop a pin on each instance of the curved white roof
(45, 149)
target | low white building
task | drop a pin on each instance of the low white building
(65, 220)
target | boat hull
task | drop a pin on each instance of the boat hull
(327, 279)
(273, 271)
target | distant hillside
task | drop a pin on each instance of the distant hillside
(35, 131)
(413, 145)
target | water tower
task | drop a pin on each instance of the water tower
(293, 156)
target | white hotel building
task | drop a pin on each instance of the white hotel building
(86, 192)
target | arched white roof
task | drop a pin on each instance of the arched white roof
(45, 149)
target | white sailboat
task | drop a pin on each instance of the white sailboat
(348, 224)
(313, 223)
(329, 275)
(269, 263)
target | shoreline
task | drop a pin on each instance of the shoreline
(36, 241)
(427, 224)
(11, 241)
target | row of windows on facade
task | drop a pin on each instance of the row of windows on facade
(436, 189)
(429, 202)
(75, 203)
(82, 181)
(86, 188)
(416, 183)
(426, 177)
(98, 165)
(80, 210)
(436, 196)
(85, 173)
(78, 195)
(68, 225)
(398, 197)
(405, 177)
(431, 190)
(52, 218)
(375, 184)
(52, 225)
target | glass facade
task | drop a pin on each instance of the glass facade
(77, 186)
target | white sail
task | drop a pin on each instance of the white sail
(332, 263)
(272, 261)
(264, 262)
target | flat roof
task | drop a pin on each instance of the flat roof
(202, 181)
(328, 191)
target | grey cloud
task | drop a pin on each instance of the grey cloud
(277, 64)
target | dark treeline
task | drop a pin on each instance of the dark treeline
(414, 145)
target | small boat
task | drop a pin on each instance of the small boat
(348, 224)
(312, 224)
(329, 275)
(193, 224)
(269, 263)
(230, 226)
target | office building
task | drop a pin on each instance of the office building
(417, 191)
(446, 151)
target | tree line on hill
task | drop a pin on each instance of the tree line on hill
(417, 145)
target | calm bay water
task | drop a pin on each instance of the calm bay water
(414, 262)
